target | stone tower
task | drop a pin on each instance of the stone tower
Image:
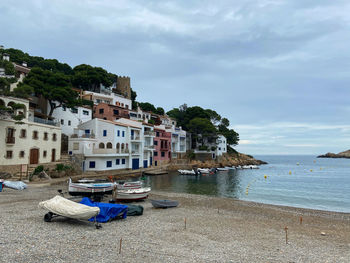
(123, 87)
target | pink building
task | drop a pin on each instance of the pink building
(162, 144)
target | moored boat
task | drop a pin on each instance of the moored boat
(187, 172)
(222, 169)
(122, 185)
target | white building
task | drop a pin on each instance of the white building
(34, 141)
(71, 118)
(221, 146)
(109, 145)
(107, 97)
(140, 115)
(215, 148)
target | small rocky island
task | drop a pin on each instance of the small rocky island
(345, 154)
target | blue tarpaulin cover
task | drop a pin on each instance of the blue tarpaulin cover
(107, 211)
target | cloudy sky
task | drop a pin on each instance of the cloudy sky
(279, 70)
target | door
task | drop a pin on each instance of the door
(53, 155)
(135, 164)
(145, 164)
(34, 156)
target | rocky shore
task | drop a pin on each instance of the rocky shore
(217, 230)
(345, 154)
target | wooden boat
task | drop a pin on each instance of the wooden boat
(122, 185)
(133, 194)
(164, 203)
(89, 188)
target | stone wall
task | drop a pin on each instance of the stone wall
(123, 86)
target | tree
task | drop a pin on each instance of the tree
(53, 86)
(160, 111)
(146, 106)
(213, 116)
(90, 78)
(133, 99)
(11, 112)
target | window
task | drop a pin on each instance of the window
(54, 137)
(157, 134)
(126, 106)
(69, 123)
(8, 154)
(35, 135)
(46, 136)
(118, 133)
(74, 110)
(85, 112)
(104, 133)
(109, 145)
(87, 131)
(101, 111)
(155, 153)
(101, 145)
(123, 161)
(162, 154)
(44, 154)
(23, 133)
(219, 148)
(21, 154)
(75, 146)
(123, 133)
(155, 142)
(62, 122)
(92, 164)
(117, 161)
(115, 112)
(109, 164)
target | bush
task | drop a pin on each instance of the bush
(203, 148)
(61, 167)
(38, 169)
(213, 148)
(191, 155)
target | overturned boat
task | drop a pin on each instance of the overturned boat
(164, 203)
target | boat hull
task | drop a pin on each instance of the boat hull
(133, 194)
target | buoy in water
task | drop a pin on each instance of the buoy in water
(290, 172)
(297, 163)
(265, 176)
(310, 170)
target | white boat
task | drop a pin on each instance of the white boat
(122, 185)
(222, 169)
(250, 167)
(133, 194)
(203, 170)
(230, 167)
(89, 188)
(187, 172)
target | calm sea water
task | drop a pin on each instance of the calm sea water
(299, 181)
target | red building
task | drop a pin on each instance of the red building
(110, 112)
(162, 147)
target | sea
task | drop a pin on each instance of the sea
(289, 180)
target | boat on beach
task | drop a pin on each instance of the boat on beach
(133, 194)
(122, 185)
(164, 203)
(89, 188)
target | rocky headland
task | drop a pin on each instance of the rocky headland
(345, 154)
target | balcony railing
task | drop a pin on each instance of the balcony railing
(47, 122)
(10, 139)
(149, 133)
(91, 136)
(135, 152)
(110, 151)
(135, 138)
(149, 147)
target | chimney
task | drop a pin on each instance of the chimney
(6, 57)
(24, 64)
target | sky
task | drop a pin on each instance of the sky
(279, 70)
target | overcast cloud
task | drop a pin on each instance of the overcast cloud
(278, 69)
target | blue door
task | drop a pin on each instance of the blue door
(145, 164)
(150, 162)
(135, 164)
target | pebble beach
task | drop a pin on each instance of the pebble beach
(200, 229)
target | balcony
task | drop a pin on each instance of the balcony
(110, 151)
(90, 136)
(135, 152)
(47, 122)
(10, 140)
(135, 138)
(149, 147)
(150, 133)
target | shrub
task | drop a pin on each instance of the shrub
(38, 169)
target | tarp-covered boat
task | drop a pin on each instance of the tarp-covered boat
(108, 212)
(64, 207)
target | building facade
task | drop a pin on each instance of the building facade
(110, 112)
(31, 142)
(162, 146)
